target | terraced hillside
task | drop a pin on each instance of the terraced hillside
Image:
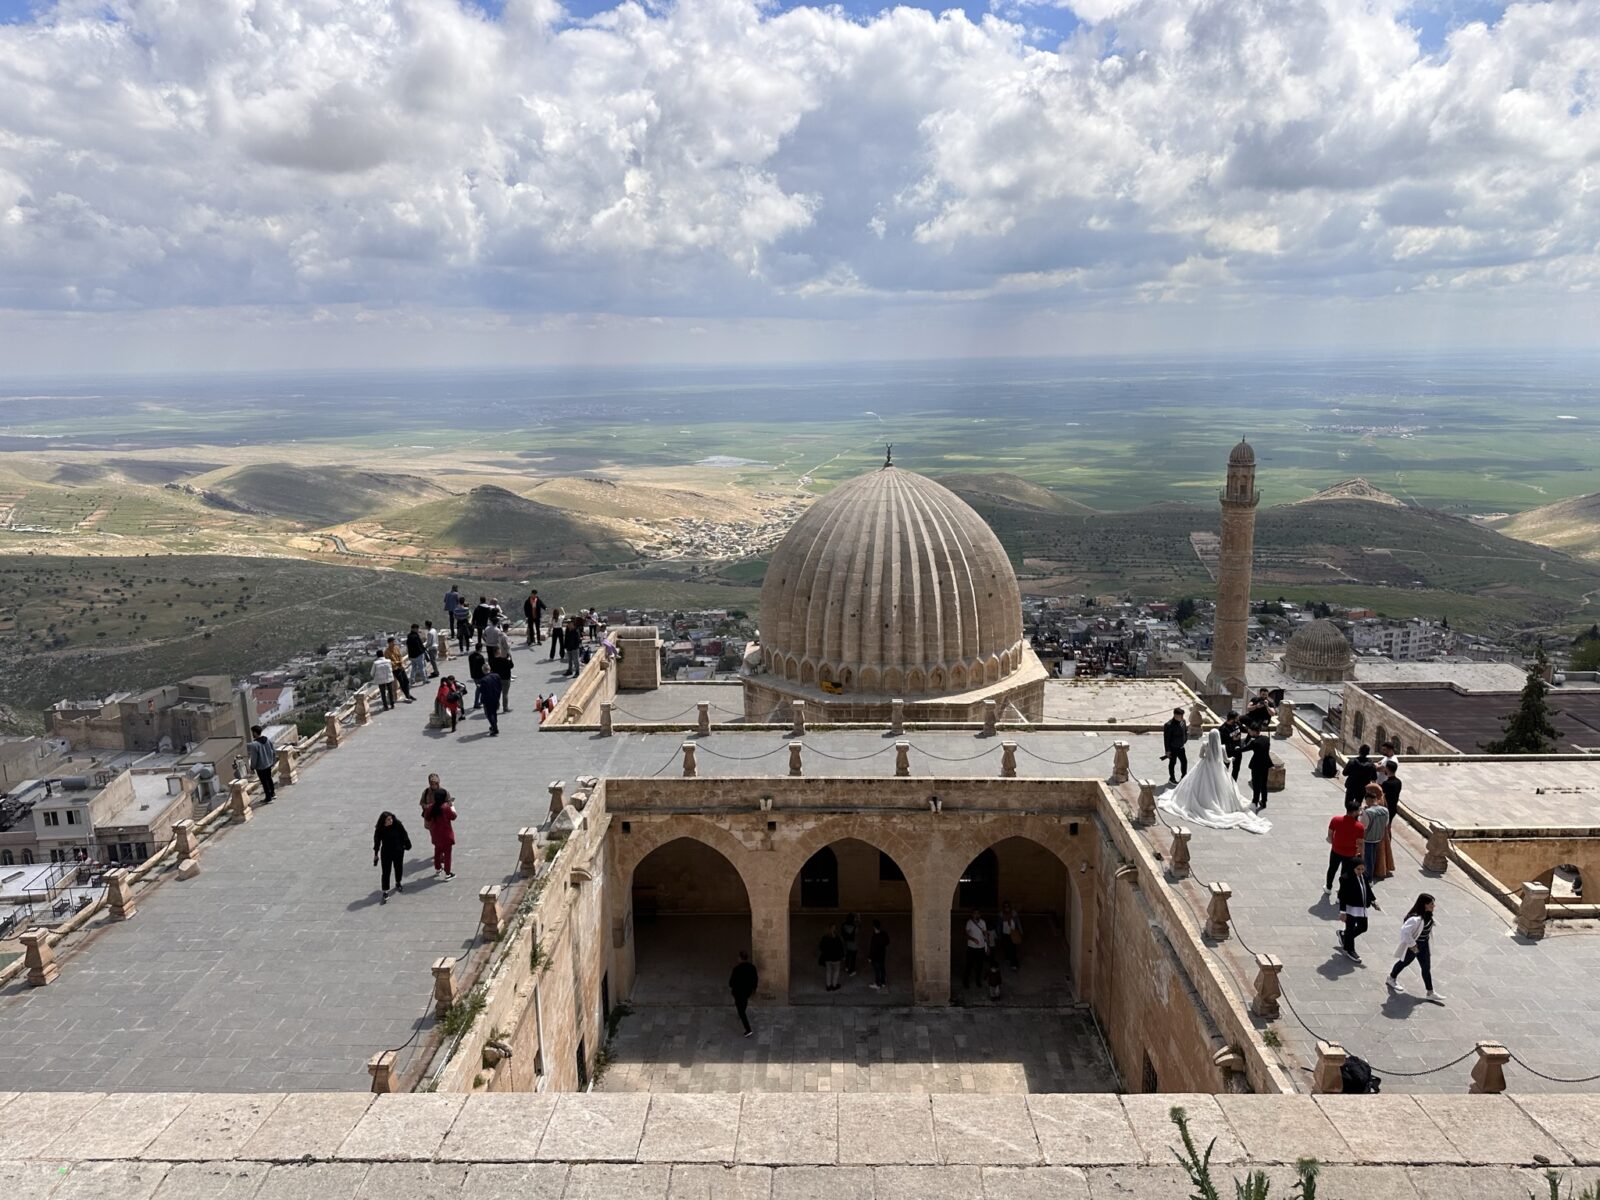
(312, 497)
(1572, 525)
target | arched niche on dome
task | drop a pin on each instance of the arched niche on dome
(846, 678)
(958, 678)
(825, 674)
(808, 672)
(991, 670)
(915, 680)
(869, 679)
(936, 679)
(893, 681)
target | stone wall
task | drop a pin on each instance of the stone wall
(1369, 721)
(1511, 861)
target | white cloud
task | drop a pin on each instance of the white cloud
(718, 160)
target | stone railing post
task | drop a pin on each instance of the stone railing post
(119, 895)
(288, 773)
(702, 718)
(363, 708)
(444, 985)
(1489, 1072)
(1534, 911)
(39, 958)
(331, 730)
(1197, 720)
(902, 759)
(1437, 856)
(489, 897)
(797, 710)
(690, 767)
(1265, 1001)
(1328, 1078)
(1217, 914)
(605, 718)
(1119, 762)
(990, 709)
(528, 850)
(1146, 814)
(897, 717)
(1328, 747)
(795, 749)
(188, 842)
(1285, 718)
(1178, 856)
(238, 801)
(558, 793)
(1008, 760)
(381, 1067)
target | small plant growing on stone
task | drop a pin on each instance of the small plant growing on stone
(1553, 1181)
(538, 960)
(1255, 1186)
(460, 1015)
(1270, 1037)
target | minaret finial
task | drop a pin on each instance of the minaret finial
(888, 454)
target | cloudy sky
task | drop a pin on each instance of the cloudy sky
(199, 183)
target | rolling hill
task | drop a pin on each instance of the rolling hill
(492, 526)
(313, 497)
(1572, 525)
(1001, 491)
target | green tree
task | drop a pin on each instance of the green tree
(1528, 730)
(1185, 609)
(1587, 656)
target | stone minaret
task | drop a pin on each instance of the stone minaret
(1239, 501)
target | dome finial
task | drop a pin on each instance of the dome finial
(888, 454)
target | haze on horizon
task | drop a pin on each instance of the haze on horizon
(358, 183)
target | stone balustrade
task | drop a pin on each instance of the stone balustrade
(1218, 917)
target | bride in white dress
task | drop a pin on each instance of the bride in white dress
(1208, 796)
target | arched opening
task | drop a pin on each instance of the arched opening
(6, 860)
(869, 679)
(936, 679)
(1359, 727)
(891, 680)
(1022, 896)
(958, 678)
(691, 917)
(1565, 882)
(914, 680)
(1380, 738)
(843, 879)
(807, 672)
(27, 858)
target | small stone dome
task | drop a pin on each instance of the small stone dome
(1319, 653)
(891, 584)
(1243, 455)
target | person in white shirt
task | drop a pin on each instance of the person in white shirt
(430, 648)
(383, 676)
(977, 950)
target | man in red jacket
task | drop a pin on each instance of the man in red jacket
(1345, 835)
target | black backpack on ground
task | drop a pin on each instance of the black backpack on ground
(1357, 1076)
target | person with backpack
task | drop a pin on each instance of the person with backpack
(389, 844)
(1416, 945)
(448, 698)
(1355, 898)
(263, 757)
(1359, 772)
(1374, 817)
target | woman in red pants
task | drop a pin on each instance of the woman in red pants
(439, 814)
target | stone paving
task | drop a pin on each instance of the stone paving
(67, 1146)
(1537, 998)
(859, 1049)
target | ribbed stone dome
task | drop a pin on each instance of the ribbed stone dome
(891, 584)
(1243, 455)
(1318, 651)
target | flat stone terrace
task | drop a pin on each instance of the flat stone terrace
(1477, 794)
(1127, 701)
(67, 1146)
(1537, 998)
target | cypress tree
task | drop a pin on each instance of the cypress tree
(1528, 730)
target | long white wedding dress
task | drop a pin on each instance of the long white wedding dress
(1208, 796)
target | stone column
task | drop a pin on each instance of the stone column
(1533, 911)
(238, 801)
(39, 958)
(363, 708)
(188, 842)
(902, 759)
(795, 750)
(1437, 857)
(444, 985)
(489, 897)
(1239, 499)
(930, 949)
(689, 765)
(797, 709)
(989, 710)
(605, 718)
(702, 718)
(1265, 1001)
(897, 717)
(1008, 760)
(1217, 915)
(1119, 762)
(769, 936)
(1197, 720)
(381, 1067)
(1286, 719)
(119, 895)
(528, 851)
(1327, 1079)
(1178, 856)
(287, 771)
(1146, 814)
(1489, 1072)
(331, 730)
